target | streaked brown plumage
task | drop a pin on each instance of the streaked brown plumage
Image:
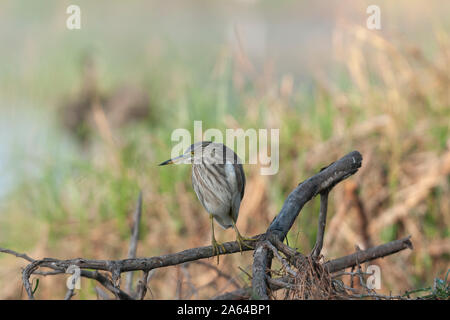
(218, 180)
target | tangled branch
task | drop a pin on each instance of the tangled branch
(268, 245)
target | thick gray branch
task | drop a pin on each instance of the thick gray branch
(259, 268)
(369, 254)
(308, 189)
(322, 183)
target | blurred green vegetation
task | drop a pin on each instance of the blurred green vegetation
(77, 199)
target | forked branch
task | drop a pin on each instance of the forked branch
(266, 243)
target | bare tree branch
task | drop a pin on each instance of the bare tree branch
(325, 180)
(142, 286)
(220, 273)
(69, 294)
(239, 294)
(267, 245)
(19, 255)
(321, 225)
(95, 275)
(134, 241)
(322, 182)
(331, 266)
(368, 255)
(116, 267)
(105, 282)
(260, 263)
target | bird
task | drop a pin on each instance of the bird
(218, 180)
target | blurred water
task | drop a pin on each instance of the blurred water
(293, 37)
(29, 143)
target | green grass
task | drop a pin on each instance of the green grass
(77, 189)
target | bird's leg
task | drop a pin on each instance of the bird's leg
(215, 244)
(240, 239)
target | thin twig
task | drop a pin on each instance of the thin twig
(143, 284)
(134, 241)
(17, 254)
(69, 294)
(280, 258)
(321, 225)
(101, 294)
(219, 272)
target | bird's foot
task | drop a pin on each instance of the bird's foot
(242, 242)
(216, 248)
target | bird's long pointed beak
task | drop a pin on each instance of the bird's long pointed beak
(166, 162)
(175, 160)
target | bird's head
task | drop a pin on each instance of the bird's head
(203, 151)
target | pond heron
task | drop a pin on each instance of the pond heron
(218, 180)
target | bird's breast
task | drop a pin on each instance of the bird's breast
(212, 186)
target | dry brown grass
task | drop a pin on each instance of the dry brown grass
(398, 98)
